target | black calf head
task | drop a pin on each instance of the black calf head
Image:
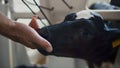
(80, 35)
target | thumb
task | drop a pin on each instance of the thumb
(34, 23)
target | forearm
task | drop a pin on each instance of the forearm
(5, 25)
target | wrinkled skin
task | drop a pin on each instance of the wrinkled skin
(84, 37)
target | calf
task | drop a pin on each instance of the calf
(82, 35)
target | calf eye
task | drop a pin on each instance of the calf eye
(85, 32)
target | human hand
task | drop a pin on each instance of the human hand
(23, 34)
(29, 37)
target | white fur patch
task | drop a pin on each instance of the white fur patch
(84, 14)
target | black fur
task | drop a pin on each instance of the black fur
(87, 39)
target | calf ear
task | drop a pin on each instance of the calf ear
(98, 21)
(70, 17)
(34, 23)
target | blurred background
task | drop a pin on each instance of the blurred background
(14, 54)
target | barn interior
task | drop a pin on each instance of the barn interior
(15, 55)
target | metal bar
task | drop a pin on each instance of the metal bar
(70, 7)
(50, 9)
(42, 12)
(33, 12)
(109, 14)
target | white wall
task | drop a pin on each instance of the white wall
(4, 45)
(4, 53)
(60, 9)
